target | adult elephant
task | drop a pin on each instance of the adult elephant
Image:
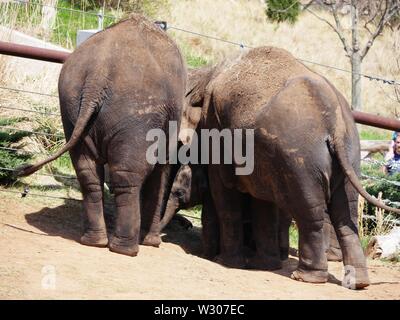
(114, 88)
(306, 159)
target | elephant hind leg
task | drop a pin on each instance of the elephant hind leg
(343, 213)
(91, 179)
(127, 186)
(313, 264)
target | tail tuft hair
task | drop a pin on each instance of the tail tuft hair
(25, 170)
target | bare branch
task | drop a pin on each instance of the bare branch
(387, 14)
(338, 29)
(305, 7)
(372, 18)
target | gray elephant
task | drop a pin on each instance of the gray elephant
(114, 88)
(306, 160)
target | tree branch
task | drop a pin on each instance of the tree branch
(338, 29)
(372, 18)
(305, 7)
(390, 10)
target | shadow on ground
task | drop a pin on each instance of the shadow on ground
(65, 221)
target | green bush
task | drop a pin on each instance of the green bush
(9, 158)
(146, 7)
(282, 10)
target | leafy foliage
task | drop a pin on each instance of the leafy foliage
(9, 158)
(283, 10)
(146, 7)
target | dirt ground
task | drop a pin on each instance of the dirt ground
(42, 259)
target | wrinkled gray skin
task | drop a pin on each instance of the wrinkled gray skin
(307, 157)
(114, 88)
(190, 188)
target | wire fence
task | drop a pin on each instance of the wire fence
(98, 14)
(241, 45)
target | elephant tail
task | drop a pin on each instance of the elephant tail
(86, 113)
(355, 181)
(340, 151)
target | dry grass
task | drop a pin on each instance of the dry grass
(245, 22)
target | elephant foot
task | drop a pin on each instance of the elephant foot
(96, 238)
(153, 240)
(123, 246)
(355, 278)
(334, 254)
(231, 260)
(264, 263)
(315, 276)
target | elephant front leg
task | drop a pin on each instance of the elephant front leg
(333, 251)
(265, 233)
(285, 221)
(127, 226)
(210, 227)
(155, 194)
(228, 205)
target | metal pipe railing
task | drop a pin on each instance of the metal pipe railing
(376, 121)
(23, 51)
(57, 56)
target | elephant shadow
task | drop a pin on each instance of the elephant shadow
(188, 239)
(190, 242)
(65, 220)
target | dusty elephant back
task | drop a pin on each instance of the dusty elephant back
(132, 74)
(133, 66)
(248, 83)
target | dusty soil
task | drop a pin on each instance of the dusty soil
(42, 259)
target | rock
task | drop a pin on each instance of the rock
(385, 247)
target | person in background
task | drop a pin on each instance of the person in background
(389, 155)
(393, 157)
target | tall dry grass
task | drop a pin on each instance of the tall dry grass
(245, 21)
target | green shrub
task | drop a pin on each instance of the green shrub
(375, 134)
(283, 10)
(146, 7)
(9, 158)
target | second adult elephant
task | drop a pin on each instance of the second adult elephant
(306, 159)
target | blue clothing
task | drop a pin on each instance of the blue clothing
(393, 164)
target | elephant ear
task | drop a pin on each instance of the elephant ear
(197, 95)
(198, 80)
